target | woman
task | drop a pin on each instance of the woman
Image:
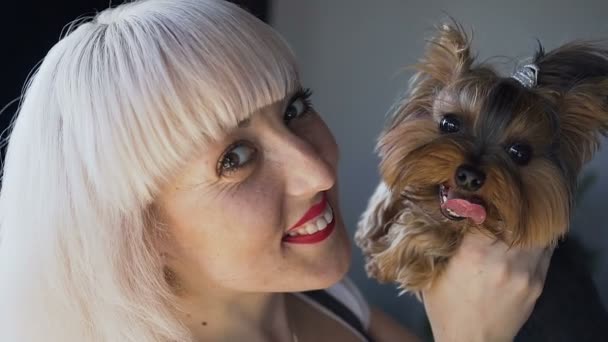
(167, 179)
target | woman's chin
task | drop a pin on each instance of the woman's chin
(322, 280)
(333, 265)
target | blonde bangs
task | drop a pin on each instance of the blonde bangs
(223, 70)
(173, 77)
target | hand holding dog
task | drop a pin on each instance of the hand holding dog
(487, 291)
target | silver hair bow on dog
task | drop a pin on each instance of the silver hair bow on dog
(527, 75)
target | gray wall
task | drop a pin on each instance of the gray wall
(352, 52)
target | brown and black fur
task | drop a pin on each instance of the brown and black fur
(404, 235)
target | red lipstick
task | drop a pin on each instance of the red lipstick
(313, 238)
(312, 213)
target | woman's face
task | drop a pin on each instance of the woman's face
(258, 210)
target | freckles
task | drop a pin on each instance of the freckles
(258, 207)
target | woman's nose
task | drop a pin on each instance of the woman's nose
(306, 170)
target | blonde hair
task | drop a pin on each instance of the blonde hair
(116, 108)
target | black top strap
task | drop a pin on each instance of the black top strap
(339, 309)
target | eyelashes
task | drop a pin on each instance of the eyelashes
(243, 153)
(237, 156)
(299, 105)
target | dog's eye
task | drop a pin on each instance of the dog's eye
(449, 124)
(520, 153)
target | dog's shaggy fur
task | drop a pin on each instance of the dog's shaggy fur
(465, 132)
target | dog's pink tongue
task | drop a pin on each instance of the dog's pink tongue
(464, 208)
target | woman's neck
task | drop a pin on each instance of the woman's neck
(219, 314)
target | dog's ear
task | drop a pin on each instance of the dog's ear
(576, 77)
(447, 57)
(584, 119)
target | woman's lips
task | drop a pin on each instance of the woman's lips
(315, 226)
(315, 237)
(312, 213)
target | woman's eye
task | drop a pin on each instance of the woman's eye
(236, 156)
(299, 105)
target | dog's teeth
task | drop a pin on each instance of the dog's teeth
(452, 213)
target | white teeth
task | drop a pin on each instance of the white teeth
(452, 212)
(329, 215)
(310, 229)
(321, 223)
(315, 225)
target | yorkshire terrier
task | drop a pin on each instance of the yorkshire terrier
(471, 150)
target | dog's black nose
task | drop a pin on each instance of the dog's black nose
(469, 178)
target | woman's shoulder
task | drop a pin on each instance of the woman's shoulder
(379, 325)
(346, 292)
(344, 303)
